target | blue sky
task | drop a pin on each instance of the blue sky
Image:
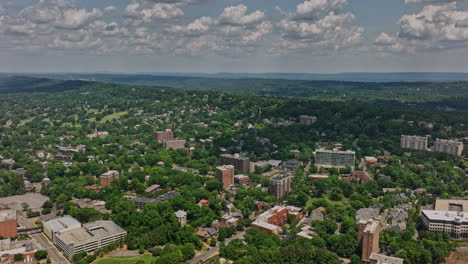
(314, 36)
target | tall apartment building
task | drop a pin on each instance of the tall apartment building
(166, 134)
(334, 158)
(453, 222)
(107, 177)
(450, 147)
(280, 185)
(89, 238)
(8, 225)
(240, 163)
(368, 238)
(413, 142)
(307, 120)
(225, 174)
(174, 143)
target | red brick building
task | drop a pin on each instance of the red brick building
(368, 238)
(241, 179)
(8, 226)
(225, 174)
(174, 143)
(107, 178)
(167, 134)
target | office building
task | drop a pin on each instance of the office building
(376, 258)
(455, 223)
(107, 178)
(241, 179)
(368, 238)
(280, 185)
(240, 163)
(451, 205)
(413, 142)
(334, 158)
(307, 120)
(450, 147)
(174, 143)
(166, 134)
(181, 217)
(225, 174)
(89, 238)
(61, 224)
(8, 225)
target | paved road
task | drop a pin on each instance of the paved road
(42, 242)
(214, 250)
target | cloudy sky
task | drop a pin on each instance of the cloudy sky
(313, 36)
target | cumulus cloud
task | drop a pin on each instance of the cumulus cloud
(427, 1)
(77, 18)
(237, 15)
(313, 9)
(161, 11)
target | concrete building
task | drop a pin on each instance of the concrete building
(174, 143)
(334, 158)
(413, 142)
(225, 174)
(181, 217)
(269, 228)
(240, 163)
(291, 165)
(107, 177)
(376, 258)
(452, 222)
(368, 238)
(61, 224)
(307, 120)
(8, 225)
(451, 205)
(89, 238)
(280, 185)
(450, 147)
(166, 134)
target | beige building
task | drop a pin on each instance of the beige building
(413, 142)
(280, 185)
(450, 147)
(368, 238)
(451, 205)
(376, 258)
(334, 158)
(452, 222)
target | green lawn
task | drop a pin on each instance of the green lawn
(114, 115)
(147, 258)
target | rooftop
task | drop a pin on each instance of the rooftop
(435, 215)
(62, 223)
(7, 214)
(265, 225)
(383, 259)
(451, 205)
(280, 177)
(90, 232)
(335, 151)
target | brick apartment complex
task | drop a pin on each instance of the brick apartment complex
(358, 177)
(225, 174)
(271, 220)
(280, 185)
(450, 147)
(8, 226)
(166, 134)
(174, 143)
(107, 178)
(334, 158)
(413, 142)
(241, 179)
(368, 238)
(240, 163)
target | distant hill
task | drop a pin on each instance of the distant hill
(24, 84)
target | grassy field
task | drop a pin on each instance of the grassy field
(458, 257)
(147, 258)
(114, 115)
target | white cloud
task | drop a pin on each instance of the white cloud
(237, 15)
(313, 9)
(428, 1)
(77, 18)
(161, 11)
(110, 9)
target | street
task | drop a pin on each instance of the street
(215, 250)
(42, 242)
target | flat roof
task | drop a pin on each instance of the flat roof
(7, 214)
(280, 177)
(265, 225)
(62, 223)
(436, 215)
(383, 259)
(90, 232)
(335, 151)
(451, 205)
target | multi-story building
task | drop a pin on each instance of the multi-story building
(174, 143)
(307, 120)
(280, 185)
(376, 258)
(166, 134)
(240, 163)
(107, 177)
(89, 238)
(451, 205)
(450, 147)
(413, 142)
(61, 224)
(453, 222)
(271, 220)
(225, 174)
(241, 179)
(181, 217)
(142, 201)
(368, 238)
(8, 225)
(334, 158)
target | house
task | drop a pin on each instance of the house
(204, 202)
(206, 233)
(152, 188)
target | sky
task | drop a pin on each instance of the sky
(244, 36)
